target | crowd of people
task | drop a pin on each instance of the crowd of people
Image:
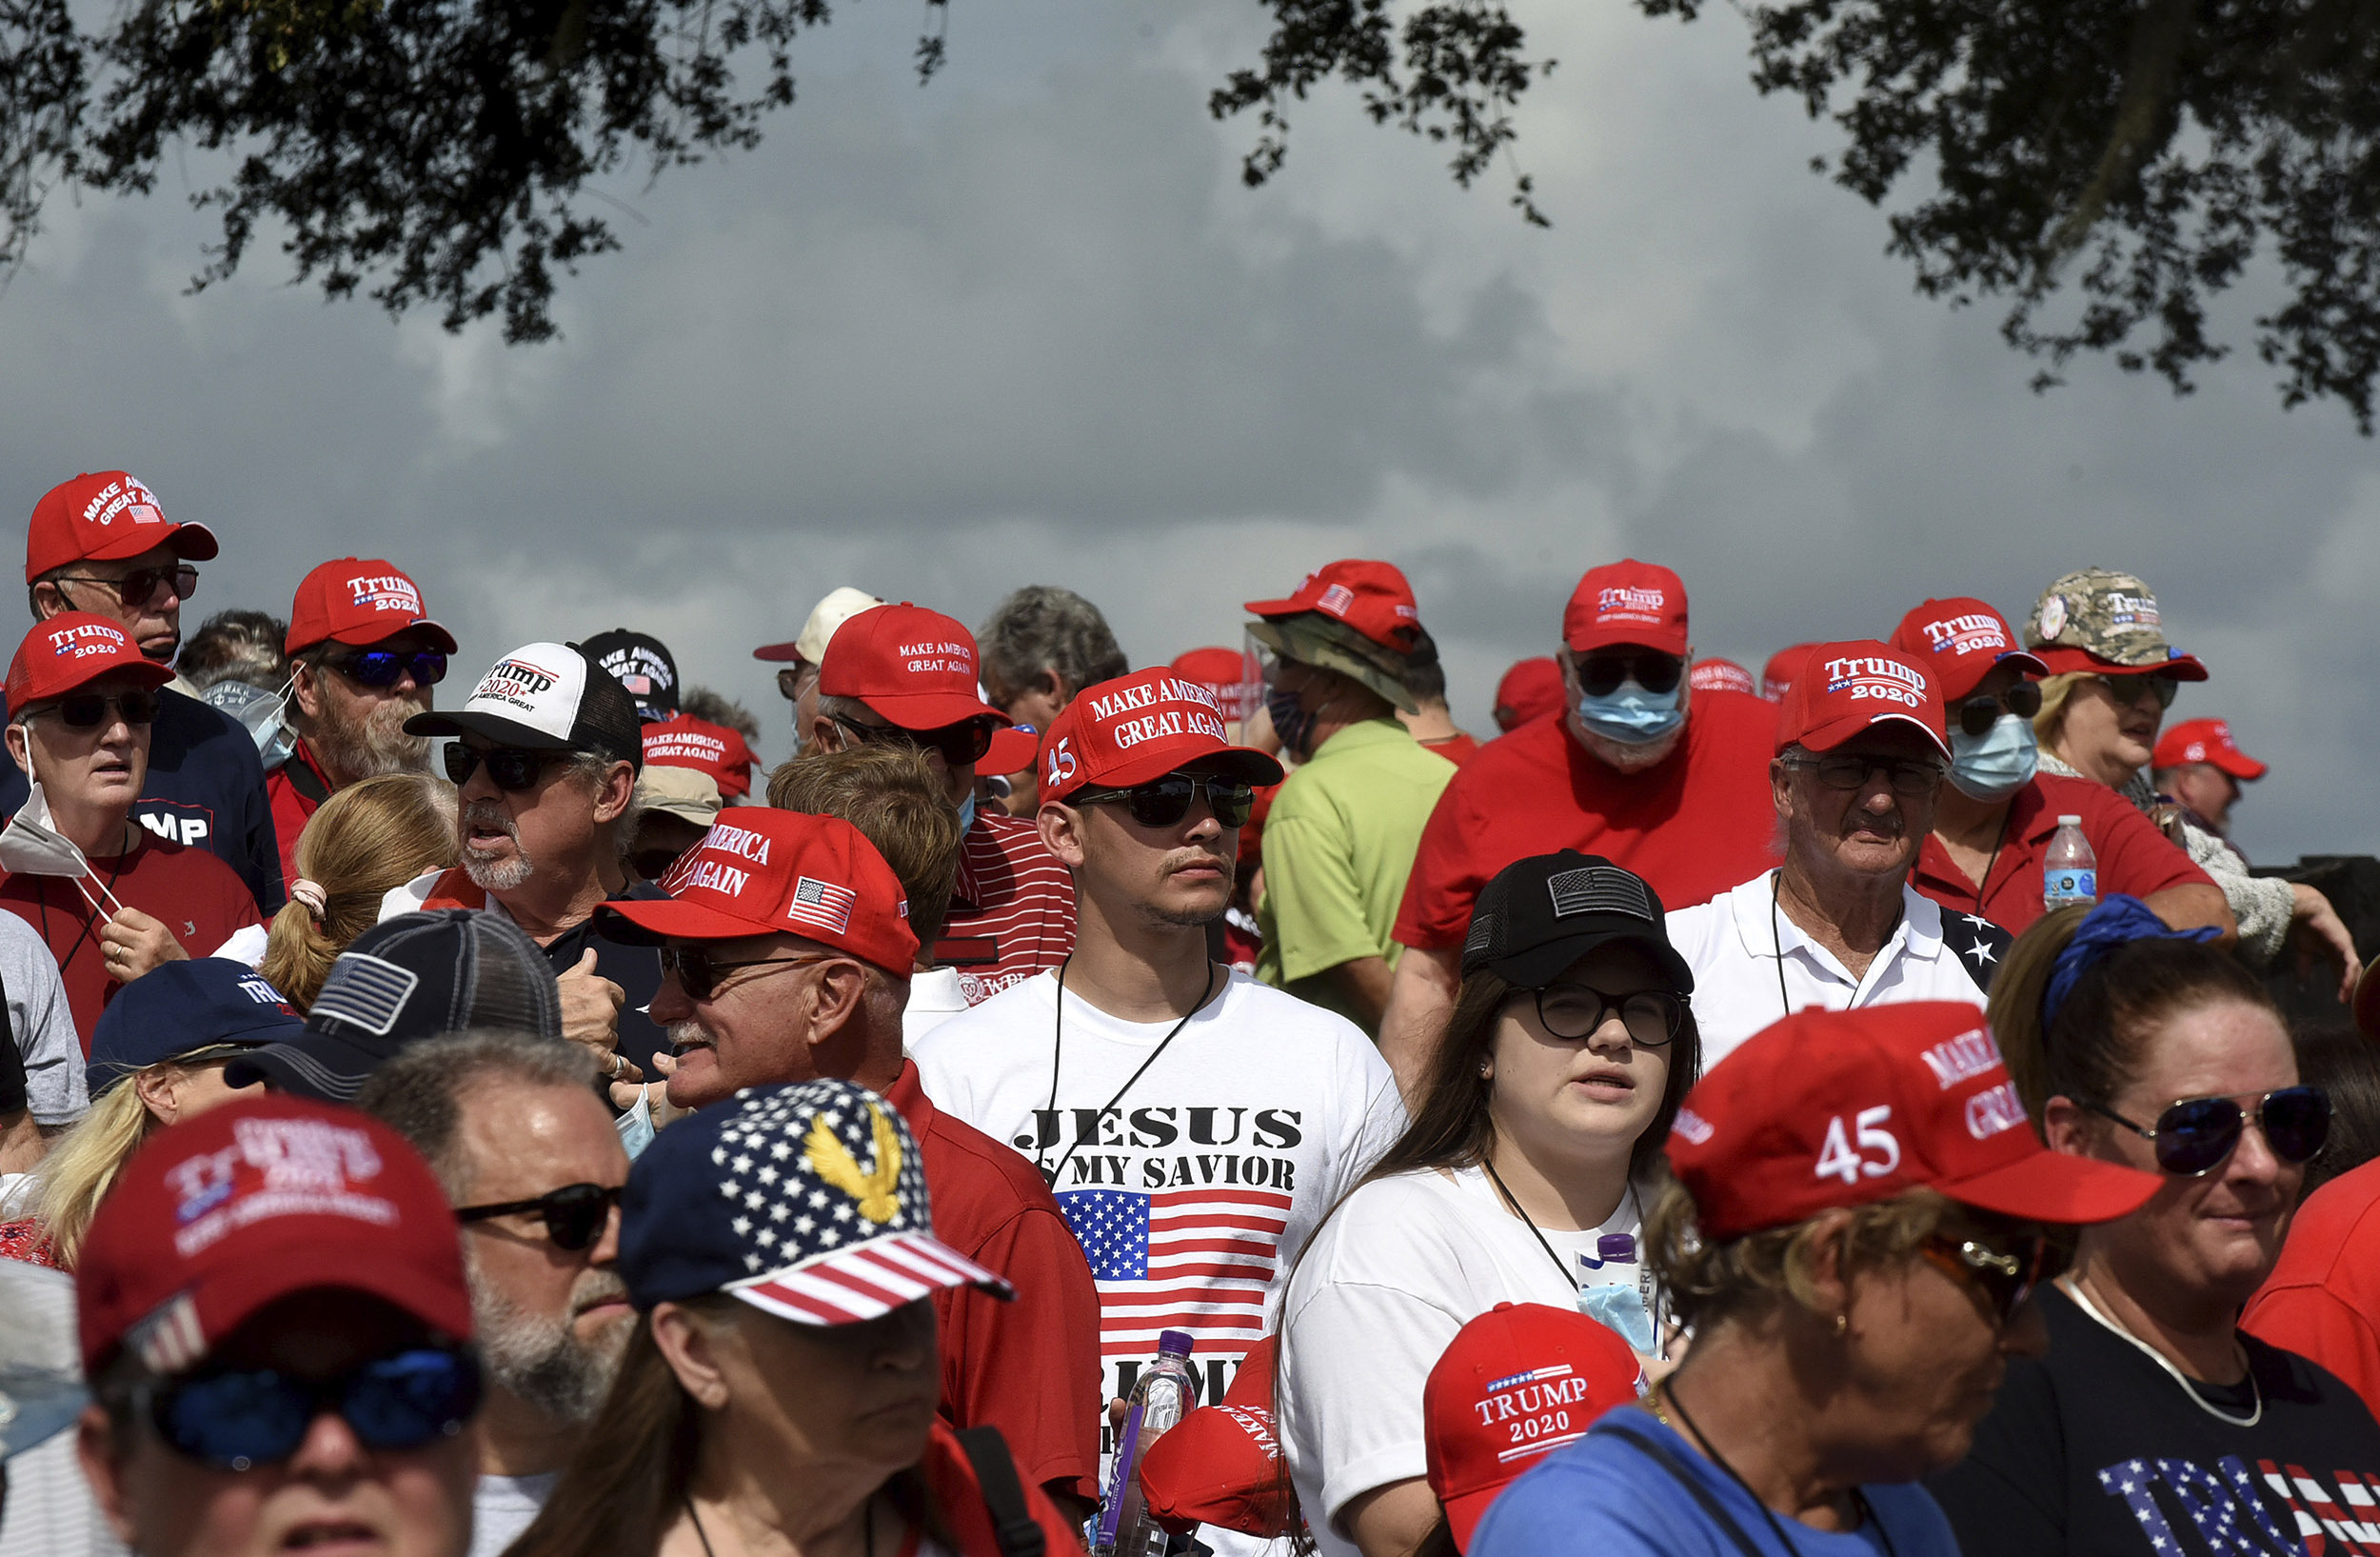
(1838, 1112)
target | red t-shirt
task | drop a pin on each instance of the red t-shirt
(1457, 748)
(1011, 911)
(295, 790)
(193, 893)
(2135, 858)
(1030, 1368)
(2322, 1298)
(1693, 826)
(957, 1497)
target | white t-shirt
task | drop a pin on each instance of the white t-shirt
(1194, 1191)
(935, 997)
(42, 1025)
(1730, 945)
(502, 1507)
(1402, 1266)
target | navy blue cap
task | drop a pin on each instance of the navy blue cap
(806, 1200)
(183, 1010)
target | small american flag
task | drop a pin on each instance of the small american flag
(1196, 1260)
(823, 903)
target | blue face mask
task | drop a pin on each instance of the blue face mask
(966, 814)
(1997, 762)
(1633, 716)
(1289, 721)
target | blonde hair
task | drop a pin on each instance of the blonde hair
(1758, 1274)
(366, 839)
(2055, 691)
(82, 1167)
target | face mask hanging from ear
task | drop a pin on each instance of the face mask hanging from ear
(966, 814)
(30, 846)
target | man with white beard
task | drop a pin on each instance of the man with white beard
(533, 1167)
(362, 660)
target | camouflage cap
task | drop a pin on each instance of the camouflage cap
(2096, 618)
(1315, 639)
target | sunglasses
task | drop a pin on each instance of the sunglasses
(1599, 675)
(137, 586)
(509, 769)
(2195, 1135)
(1977, 715)
(1163, 803)
(574, 1214)
(2007, 1268)
(385, 667)
(88, 711)
(1575, 1011)
(237, 1419)
(698, 972)
(1909, 776)
(2128, 689)
(961, 745)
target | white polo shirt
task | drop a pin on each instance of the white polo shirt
(1737, 957)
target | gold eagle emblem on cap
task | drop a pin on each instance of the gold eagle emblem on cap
(833, 1163)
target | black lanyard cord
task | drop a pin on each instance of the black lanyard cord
(1859, 1499)
(1056, 1043)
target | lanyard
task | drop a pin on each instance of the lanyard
(1057, 1044)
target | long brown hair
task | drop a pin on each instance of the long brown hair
(369, 837)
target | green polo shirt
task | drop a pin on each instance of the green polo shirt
(1338, 844)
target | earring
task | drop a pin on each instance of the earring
(1842, 1324)
(1487, 1072)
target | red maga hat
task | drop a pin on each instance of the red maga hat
(1641, 605)
(1783, 666)
(70, 651)
(1530, 690)
(1827, 1109)
(1720, 675)
(222, 1214)
(1371, 597)
(1139, 727)
(1518, 1365)
(1962, 639)
(1220, 1465)
(1222, 671)
(914, 667)
(760, 872)
(2207, 741)
(105, 517)
(358, 600)
(1013, 750)
(687, 742)
(1844, 689)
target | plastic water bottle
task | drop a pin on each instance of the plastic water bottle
(1158, 1399)
(2069, 872)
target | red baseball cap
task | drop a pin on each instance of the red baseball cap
(1827, 1109)
(248, 1202)
(1371, 597)
(2207, 741)
(105, 517)
(1530, 690)
(760, 872)
(1139, 727)
(1716, 675)
(915, 667)
(1843, 689)
(1518, 1363)
(1013, 750)
(1220, 1465)
(687, 742)
(1962, 639)
(1640, 604)
(358, 600)
(72, 650)
(1222, 671)
(1782, 667)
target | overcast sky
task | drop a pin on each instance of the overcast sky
(1025, 326)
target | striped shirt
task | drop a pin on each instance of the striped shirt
(1011, 911)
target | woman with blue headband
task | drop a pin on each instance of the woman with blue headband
(2155, 1426)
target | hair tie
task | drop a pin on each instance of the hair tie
(2117, 921)
(311, 893)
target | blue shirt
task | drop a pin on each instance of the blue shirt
(1604, 1497)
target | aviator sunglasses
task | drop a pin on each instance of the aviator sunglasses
(574, 1214)
(2195, 1135)
(378, 668)
(237, 1419)
(1909, 776)
(698, 972)
(1977, 715)
(88, 710)
(2007, 1267)
(1163, 803)
(1599, 675)
(2128, 689)
(509, 769)
(135, 587)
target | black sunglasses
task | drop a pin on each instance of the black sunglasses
(1977, 714)
(88, 711)
(385, 667)
(237, 1419)
(1599, 675)
(574, 1214)
(135, 587)
(962, 744)
(1574, 1011)
(2007, 1267)
(509, 769)
(2195, 1135)
(1163, 803)
(698, 972)
(2127, 689)
(1909, 776)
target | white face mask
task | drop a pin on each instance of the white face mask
(30, 846)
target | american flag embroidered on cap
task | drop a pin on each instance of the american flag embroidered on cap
(823, 903)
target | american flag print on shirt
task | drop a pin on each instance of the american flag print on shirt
(1196, 1259)
(823, 903)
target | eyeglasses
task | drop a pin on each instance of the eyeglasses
(1977, 715)
(1599, 675)
(237, 1419)
(137, 586)
(2195, 1135)
(88, 711)
(697, 974)
(1163, 803)
(2007, 1267)
(385, 667)
(509, 769)
(1575, 1010)
(1909, 776)
(961, 745)
(574, 1214)
(2128, 689)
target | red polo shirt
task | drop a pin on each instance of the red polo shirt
(1692, 826)
(295, 790)
(1011, 909)
(2135, 858)
(2322, 1298)
(1030, 1368)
